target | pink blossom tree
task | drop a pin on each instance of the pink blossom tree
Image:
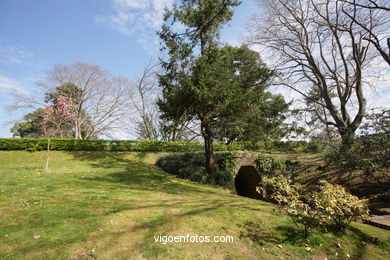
(56, 115)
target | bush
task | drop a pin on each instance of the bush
(191, 166)
(265, 164)
(332, 203)
(313, 147)
(270, 166)
(290, 201)
(339, 205)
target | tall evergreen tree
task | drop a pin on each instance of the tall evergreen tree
(202, 80)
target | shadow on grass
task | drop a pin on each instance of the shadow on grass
(259, 233)
(134, 174)
(291, 236)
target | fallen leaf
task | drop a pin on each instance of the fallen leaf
(36, 237)
(308, 248)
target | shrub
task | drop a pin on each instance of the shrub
(338, 205)
(226, 165)
(191, 166)
(332, 205)
(270, 166)
(290, 201)
(313, 147)
(265, 164)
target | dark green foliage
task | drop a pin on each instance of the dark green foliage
(38, 144)
(265, 164)
(191, 166)
(226, 92)
(270, 166)
(31, 126)
(68, 89)
(222, 87)
(314, 147)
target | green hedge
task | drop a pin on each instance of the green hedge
(191, 166)
(39, 144)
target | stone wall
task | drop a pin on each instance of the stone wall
(245, 159)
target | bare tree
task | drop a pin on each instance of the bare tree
(148, 124)
(373, 16)
(144, 101)
(370, 4)
(101, 98)
(320, 54)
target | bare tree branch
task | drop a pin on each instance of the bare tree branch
(321, 53)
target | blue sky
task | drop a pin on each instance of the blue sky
(117, 35)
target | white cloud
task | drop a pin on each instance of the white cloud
(141, 4)
(8, 86)
(136, 18)
(15, 55)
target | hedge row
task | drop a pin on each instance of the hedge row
(39, 144)
(191, 166)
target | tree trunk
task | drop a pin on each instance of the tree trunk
(209, 152)
(48, 154)
(347, 138)
(76, 130)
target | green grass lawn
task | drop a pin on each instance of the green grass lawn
(108, 205)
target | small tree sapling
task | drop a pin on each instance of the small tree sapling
(56, 115)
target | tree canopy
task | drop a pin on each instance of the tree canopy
(219, 86)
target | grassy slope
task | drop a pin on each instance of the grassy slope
(110, 205)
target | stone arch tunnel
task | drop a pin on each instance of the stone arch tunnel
(246, 181)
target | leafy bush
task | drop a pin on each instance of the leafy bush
(339, 205)
(313, 147)
(291, 201)
(332, 203)
(191, 166)
(270, 166)
(265, 164)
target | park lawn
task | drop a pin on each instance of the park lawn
(110, 205)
